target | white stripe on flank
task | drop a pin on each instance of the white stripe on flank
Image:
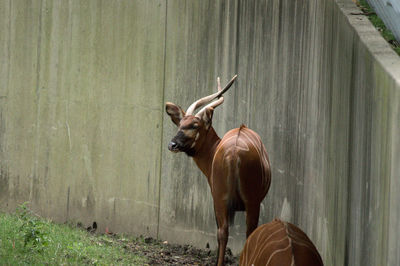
(266, 240)
(243, 140)
(257, 242)
(290, 241)
(276, 252)
(262, 154)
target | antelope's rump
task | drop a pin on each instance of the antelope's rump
(279, 243)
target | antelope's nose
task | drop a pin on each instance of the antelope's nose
(172, 146)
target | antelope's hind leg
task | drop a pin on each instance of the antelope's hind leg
(222, 234)
(252, 215)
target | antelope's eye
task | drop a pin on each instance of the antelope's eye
(195, 126)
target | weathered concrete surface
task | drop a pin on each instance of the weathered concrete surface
(309, 77)
(81, 116)
(83, 134)
(201, 41)
(374, 152)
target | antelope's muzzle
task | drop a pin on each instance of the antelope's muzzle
(173, 146)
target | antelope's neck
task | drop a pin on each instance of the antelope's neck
(204, 156)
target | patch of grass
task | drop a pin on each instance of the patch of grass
(379, 25)
(29, 240)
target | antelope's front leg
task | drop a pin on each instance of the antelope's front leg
(221, 214)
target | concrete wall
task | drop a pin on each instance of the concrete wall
(81, 113)
(83, 134)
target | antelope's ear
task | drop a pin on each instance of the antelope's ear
(207, 115)
(175, 112)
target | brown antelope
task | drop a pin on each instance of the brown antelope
(279, 243)
(237, 166)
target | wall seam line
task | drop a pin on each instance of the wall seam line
(350, 152)
(237, 43)
(162, 120)
(37, 90)
(9, 47)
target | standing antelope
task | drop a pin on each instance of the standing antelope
(237, 166)
(279, 243)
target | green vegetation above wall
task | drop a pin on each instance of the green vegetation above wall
(379, 25)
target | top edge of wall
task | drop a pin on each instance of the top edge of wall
(373, 40)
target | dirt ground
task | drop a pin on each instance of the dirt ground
(163, 253)
(160, 252)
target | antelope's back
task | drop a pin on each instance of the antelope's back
(279, 243)
(242, 151)
(245, 143)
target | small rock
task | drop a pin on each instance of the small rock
(165, 242)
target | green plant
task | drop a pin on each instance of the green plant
(379, 25)
(27, 239)
(32, 229)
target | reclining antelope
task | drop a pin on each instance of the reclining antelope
(279, 243)
(237, 166)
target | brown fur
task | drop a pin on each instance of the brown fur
(237, 168)
(279, 243)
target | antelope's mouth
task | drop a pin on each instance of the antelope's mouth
(174, 147)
